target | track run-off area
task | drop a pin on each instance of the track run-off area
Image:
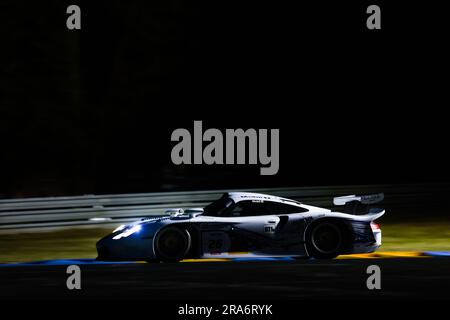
(239, 257)
(404, 275)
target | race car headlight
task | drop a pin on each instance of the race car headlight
(119, 228)
(135, 229)
(128, 232)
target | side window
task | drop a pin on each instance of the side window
(250, 208)
(281, 208)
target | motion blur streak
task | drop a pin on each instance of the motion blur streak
(379, 255)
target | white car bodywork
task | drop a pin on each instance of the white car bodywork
(224, 233)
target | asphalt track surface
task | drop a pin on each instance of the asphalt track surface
(401, 278)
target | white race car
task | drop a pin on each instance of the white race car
(249, 224)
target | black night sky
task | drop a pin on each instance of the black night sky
(92, 111)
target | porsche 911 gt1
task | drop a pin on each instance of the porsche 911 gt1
(243, 224)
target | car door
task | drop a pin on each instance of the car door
(278, 227)
(255, 216)
(246, 226)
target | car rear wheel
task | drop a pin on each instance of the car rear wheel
(172, 244)
(324, 240)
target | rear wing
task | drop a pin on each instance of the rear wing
(359, 205)
(367, 199)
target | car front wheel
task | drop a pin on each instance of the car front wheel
(172, 244)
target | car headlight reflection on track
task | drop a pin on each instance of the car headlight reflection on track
(127, 232)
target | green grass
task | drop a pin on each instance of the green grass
(419, 236)
(80, 243)
(73, 243)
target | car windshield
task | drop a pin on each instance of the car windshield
(218, 207)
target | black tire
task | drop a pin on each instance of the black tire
(324, 240)
(172, 244)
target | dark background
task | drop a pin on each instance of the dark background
(92, 111)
